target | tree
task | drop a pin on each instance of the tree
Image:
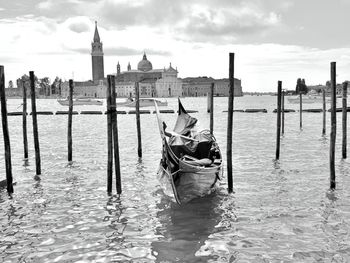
(25, 81)
(56, 86)
(44, 84)
(10, 84)
(301, 86)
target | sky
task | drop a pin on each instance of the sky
(272, 39)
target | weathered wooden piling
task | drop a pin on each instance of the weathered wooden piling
(211, 108)
(278, 136)
(208, 102)
(138, 124)
(344, 118)
(324, 112)
(35, 124)
(115, 137)
(230, 123)
(282, 112)
(301, 110)
(70, 120)
(333, 125)
(5, 131)
(24, 121)
(109, 136)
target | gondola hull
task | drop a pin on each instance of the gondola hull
(190, 165)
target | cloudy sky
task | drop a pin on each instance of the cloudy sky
(272, 39)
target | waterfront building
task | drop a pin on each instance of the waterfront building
(163, 82)
(200, 86)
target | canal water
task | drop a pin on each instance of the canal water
(280, 211)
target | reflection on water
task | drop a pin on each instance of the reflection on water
(281, 211)
(185, 228)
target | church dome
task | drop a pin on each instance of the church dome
(144, 64)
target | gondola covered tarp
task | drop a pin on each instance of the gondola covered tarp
(191, 161)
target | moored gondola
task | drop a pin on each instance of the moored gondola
(191, 161)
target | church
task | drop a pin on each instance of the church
(152, 82)
(163, 82)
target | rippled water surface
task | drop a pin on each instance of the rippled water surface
(281, 211)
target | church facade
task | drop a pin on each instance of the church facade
(152, 82)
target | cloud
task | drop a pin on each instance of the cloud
(120, 51)
(189, 20)
(208, 25)
(79, 24)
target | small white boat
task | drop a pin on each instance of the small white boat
(146, 102)
(80, 101)
(123, 101)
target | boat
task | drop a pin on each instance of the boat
(80, 101)
(146, 102)
(124, 101)
(191, 161)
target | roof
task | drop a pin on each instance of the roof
(96, 35)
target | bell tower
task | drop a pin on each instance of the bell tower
(97, 57)
(118, 68)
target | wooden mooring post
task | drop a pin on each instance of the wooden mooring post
(24, 122)
(138, 124)
(282, 112)
(5, 131)
(211, 108)
(70, 120)
(301, 110)
(230, 123)
(324, 112)
(35, 124)
(109, 137)
(115, 137)
(344, 118)
(333, 125)
(278, 136)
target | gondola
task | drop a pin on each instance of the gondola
(80, 101)
(191, 161)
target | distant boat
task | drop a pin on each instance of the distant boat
(124, 101)
(191, 161)
(80, 101)
(146, 102)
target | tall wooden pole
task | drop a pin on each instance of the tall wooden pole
(5, 131)
(211, 108)
(282, 112)
(35, 124)
(208, 102)
(333, 125)
(301, 109)
(138, 124)
(324, 112)
(109, 136)
(24, 121)
(278, 136)
(344, 122)
(70, 120)
(230, 123)
(115, 138)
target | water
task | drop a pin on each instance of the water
(279, 212)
